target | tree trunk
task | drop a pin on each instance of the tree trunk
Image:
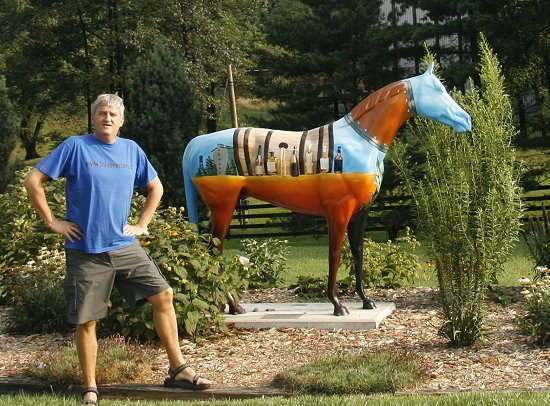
(30, 144)
(520, 106)
(211, 123)
(87, 91)
(31, 152)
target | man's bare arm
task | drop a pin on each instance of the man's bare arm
(34, 183)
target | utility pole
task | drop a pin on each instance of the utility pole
(233, 104)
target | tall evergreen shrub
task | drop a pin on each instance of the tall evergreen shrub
(8, 133)
(467, 199)
(162, 117)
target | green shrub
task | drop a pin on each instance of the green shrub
(22, 231)
(268, 261)
(199, 276)
(389, 265)
(536, 322)
(537, 238)
(467, 199)
(367, 373)
(311, 286)
(118, 361)
(36, 292)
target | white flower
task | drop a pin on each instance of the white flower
(524, 280)
(244, 260)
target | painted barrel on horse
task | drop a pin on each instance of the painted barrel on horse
(333, 171)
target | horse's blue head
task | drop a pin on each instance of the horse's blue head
(431, 100)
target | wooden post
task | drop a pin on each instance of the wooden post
(233, 104)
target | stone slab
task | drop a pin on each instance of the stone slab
(310, 315)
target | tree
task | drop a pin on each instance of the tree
(8, 132)
(324, 57)
(48, 54)
(67, 52)
(210, 35)
(519, 33)
(162, 117)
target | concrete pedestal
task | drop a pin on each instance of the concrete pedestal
(310, 315)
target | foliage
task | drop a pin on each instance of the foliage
(8, 132)
(310, 286)
(198, 275)
(518, 31)
(466, 198)
(268, 261)
(119, 360)
(536, 322)
(500, 296)
(85, 47)
(389, 265)
(22, 231)
(162, 115)
(366, 373)
(36, 292)
(537, 238)
(323, 57)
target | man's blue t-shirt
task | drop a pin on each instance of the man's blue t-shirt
(100, 184)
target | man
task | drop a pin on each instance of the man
(101, 171)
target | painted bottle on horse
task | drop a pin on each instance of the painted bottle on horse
(333, 171)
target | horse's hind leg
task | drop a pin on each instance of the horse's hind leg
(337, 221)
(356, 231)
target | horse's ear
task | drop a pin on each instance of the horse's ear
(430, 69)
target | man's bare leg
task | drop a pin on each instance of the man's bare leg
(164, 318)
(86, 347)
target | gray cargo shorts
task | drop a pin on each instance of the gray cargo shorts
(90, 279)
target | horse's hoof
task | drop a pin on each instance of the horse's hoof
(369, 304)
(341, 311)
(237, 310)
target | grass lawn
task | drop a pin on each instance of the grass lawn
(458, 399)
(309, 257)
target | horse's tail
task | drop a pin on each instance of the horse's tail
(191, 193)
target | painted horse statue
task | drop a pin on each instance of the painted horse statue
(332, 171)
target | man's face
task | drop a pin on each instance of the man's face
(107, 120)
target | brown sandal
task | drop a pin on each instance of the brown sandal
(90, 402)
(183, 383)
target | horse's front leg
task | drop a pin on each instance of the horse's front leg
(221, 220)
(336, 229)
(356, 232)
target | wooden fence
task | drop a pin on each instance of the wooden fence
(260, 220)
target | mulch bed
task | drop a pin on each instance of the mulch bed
(505, 360)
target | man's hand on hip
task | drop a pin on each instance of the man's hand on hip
(135, 230)
(67, 228)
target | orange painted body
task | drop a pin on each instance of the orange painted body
(326, 194)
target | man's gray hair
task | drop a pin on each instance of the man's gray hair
(110, 100)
